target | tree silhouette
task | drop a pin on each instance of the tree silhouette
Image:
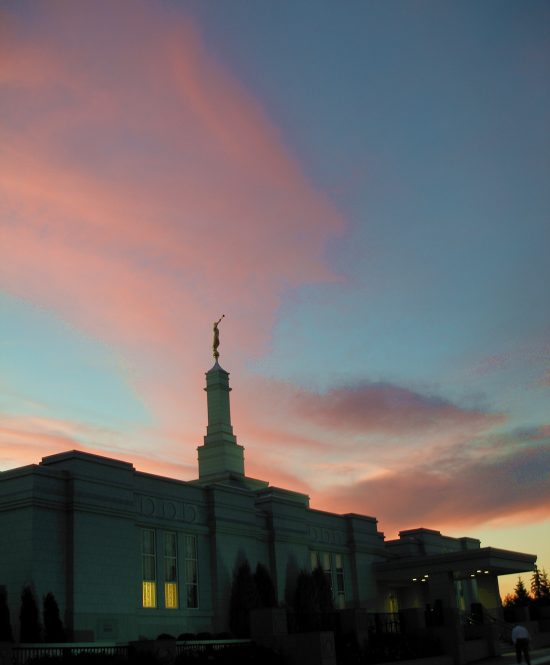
(540, 587)
(508, 600)
(53, 627)
(28, 617)
(305, 602)
(265, 587)
(312, 599)
(244, 598)
(521, 597)
(6, 634)
(325, 602)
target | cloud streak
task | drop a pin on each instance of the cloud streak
(488, 480)
(388, 408)
(26, 439)
(142, 187)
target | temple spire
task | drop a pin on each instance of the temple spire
(220, 456)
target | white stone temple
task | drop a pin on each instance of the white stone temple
(130, 555)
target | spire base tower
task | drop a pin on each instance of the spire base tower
(221, 457)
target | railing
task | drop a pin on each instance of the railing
(25, 652)
(384, 622)
(474, 622)
(208, 646)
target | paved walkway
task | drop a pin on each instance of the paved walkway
(538, 657)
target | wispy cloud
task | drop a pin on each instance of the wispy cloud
(494, 478)
(26, 439)
(388, 408)
(142, 188)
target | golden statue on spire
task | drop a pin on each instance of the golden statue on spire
(216, 341)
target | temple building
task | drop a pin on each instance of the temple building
(130, 555)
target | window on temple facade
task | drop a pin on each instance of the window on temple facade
(339, 589)
(148, 567)
(191, 572)
(170, 570)
(332, 564)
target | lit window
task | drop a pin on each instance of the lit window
(171, 595)
(191, 572)
(148, 563)
(149, 594)
(170, 570)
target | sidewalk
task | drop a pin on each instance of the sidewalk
(538, 657)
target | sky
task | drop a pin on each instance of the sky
(362, 190)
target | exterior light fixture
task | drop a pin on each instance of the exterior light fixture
(486, 572)
(478, 571)
(472, 575)
(414, 579)
(426, 576)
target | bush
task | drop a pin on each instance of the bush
(244, 598)
(6, 634)
(313, 603)
(265, 587)
(53, 627)
(323, 591)
(28, 617)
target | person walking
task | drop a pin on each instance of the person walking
(521, 639)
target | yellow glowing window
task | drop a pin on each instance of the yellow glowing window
(149, 568)
(149, 594)
(171, 595)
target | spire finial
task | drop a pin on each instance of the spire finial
(216, 341)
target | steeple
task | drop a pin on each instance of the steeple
(220, 458)
(219, 426)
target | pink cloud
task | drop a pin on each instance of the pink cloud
(457, 487)
(144, 191)
(163, 184)
(388, 408)
(26, 439)
(535, 353)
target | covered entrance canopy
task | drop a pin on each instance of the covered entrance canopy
(462, 564)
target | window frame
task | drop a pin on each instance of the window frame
(171, 578)
(149, 595)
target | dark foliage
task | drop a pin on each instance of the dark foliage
(305, 605)
(53, 627)
(28, 617)
(521, 596)
(323, 591)
(265, 587)
(244, 598)
(6, 634)
(313, 603)
(540, 587)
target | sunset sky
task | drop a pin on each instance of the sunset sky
(362, 188)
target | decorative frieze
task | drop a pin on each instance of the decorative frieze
(166, 509)
(326, 536)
